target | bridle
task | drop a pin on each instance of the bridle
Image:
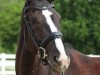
(40, 46)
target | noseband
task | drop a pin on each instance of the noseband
(40, 46)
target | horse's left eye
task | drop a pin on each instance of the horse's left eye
(34, 20)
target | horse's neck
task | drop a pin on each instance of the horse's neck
(78, 63)
(20, 40)
(75, 58)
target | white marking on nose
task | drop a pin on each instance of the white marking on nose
(60, 48)
(53, 28)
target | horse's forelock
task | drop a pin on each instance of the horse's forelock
(31, 1)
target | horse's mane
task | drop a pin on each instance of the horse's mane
(68, 46)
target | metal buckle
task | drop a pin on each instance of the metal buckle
(42, 53)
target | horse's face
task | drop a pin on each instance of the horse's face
(44, 23)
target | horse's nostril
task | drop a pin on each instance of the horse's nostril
(56, 59)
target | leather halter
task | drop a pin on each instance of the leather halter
(40, 46)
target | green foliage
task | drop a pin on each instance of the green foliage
(81, 24)
(9, 26)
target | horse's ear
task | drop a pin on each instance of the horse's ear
(51, 1)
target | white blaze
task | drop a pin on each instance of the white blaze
(53, 28)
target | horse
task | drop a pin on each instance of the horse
(40, 48)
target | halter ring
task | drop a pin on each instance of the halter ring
(42, 53)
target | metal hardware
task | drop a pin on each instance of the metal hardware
(42, 53)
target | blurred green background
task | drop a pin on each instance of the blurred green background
(80, 24)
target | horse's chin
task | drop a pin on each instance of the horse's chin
(58, 68)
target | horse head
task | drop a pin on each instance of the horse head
(42, 26)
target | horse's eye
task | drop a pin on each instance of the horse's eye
(34, 20)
